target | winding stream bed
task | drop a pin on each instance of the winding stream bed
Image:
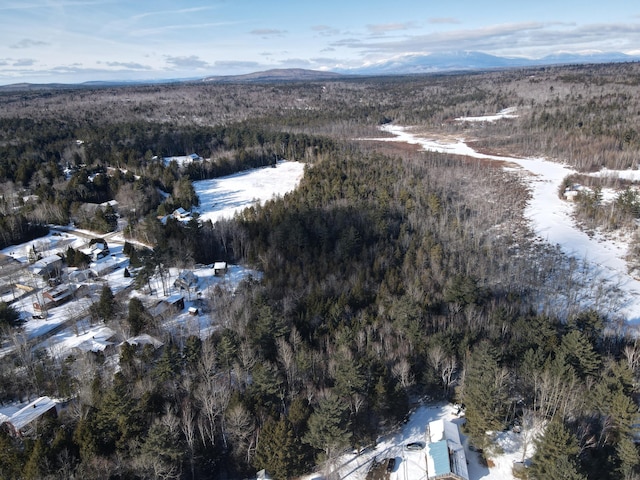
(551, 220)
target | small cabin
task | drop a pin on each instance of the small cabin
(176, 301)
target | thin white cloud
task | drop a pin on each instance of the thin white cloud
(128, 65)
(184, 62)
(295, 62)
(24, 62)
(171, 13)
(325, 30)
(443, 20)
(268, 32)
(390, 27)
(48, 4)
(522, 37)
(161, 30)
(28, 43)
(236, 65)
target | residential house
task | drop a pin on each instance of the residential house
(98, 250)
(24, 421)
(176, 301)
(106, 266)
(168, 307)
(57, 295)
(186, 279)
(52, 298)
(144, 339)
(183, 159)
(46, 267)
(98, 341)
(446, 459)
(181, 215)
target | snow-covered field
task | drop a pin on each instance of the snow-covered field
(505, 113)
(551, 219)
(224, 197)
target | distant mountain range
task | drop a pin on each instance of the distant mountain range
(469, 61)
(275, 75)
(456, 61)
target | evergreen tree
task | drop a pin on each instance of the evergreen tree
(137, 317)
(556, 455)
(169, 363)
(10, 458)
(580, 354)
(484, 394)
(329, 427)
(278, 451)
(106, 305)
(35, 466)
(9, 316)
(162, 451)
(192, 350)
(628, 459)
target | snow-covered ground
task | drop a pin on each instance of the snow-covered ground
(354, 466)
(551, 219)
(224, 197)
(221, 197)
(505, 113)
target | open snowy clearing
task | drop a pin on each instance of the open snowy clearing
(224, 197)
(551, 219)
(505, 113)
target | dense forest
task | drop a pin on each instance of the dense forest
(389, 275)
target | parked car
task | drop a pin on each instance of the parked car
(391, 463)
(414, 446)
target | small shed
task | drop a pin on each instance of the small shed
(176, 301)
(80, 276)
(263, 475)
(220, 268)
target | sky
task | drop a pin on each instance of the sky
(74, 41)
